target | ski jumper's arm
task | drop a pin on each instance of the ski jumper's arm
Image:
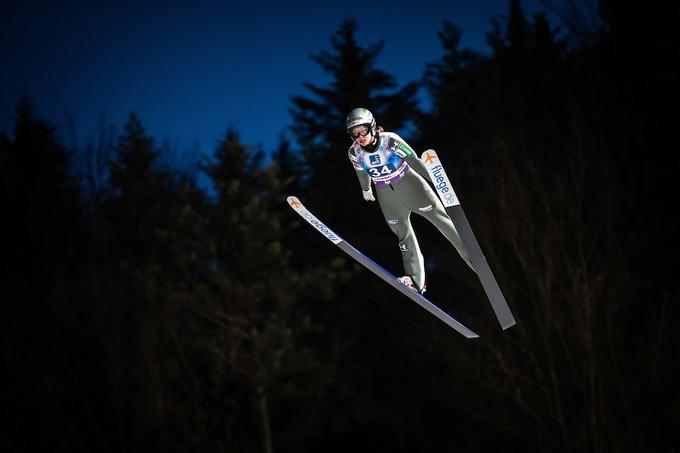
(410, 156)
(364, 178)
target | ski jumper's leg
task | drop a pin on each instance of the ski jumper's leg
(397, 216)
(442, 221)
(421, 199)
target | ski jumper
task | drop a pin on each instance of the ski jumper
(400, 183)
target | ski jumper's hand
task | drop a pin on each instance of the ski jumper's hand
(368, 195)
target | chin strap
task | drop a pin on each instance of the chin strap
(373, 145)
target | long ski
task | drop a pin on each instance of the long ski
(295, 203)
(460, 221)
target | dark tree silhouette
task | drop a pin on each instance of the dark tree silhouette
(42, 245)
(157, 315)
(319, 121)
(543, 171)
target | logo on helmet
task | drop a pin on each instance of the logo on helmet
(359, 116)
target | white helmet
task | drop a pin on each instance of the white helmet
(359, 116)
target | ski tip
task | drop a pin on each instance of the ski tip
(467, 333)
(508, 324)
(451, 322)
(429, 155)
(294, 202)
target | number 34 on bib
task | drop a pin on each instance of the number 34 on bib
(381, 171)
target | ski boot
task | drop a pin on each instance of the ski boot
(408, 281)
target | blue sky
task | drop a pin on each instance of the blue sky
(190, 70)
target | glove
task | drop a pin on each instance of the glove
(368, 195)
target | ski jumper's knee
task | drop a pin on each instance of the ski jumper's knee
(400, 228)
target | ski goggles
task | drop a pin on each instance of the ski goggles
(359, 131)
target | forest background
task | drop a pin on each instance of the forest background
(156, 301)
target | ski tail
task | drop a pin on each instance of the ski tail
(455, 211)
(295, 203)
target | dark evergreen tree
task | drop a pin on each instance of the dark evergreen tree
(40, 197)
(43, 240)
(540, 171)
(151, 254)
(138, 208)
(452, 113)
(288, 167)
(258, 323)
(319, 121)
